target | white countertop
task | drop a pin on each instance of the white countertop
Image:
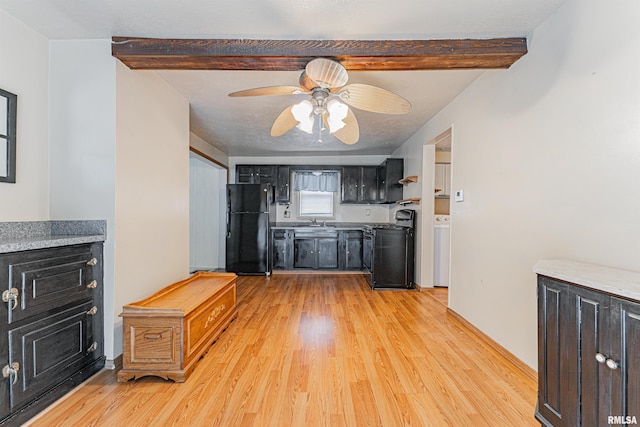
(623, 283)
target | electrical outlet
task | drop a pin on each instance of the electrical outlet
(367, 212)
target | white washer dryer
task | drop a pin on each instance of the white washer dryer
(441, 250)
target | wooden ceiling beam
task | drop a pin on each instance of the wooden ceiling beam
(293, 55)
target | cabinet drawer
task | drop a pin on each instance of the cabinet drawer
(154, 343)
(49, 350)
(48, 278)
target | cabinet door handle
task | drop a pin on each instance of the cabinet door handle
(601, 358)
(93, 347)
(11, 295)
(93, 311)
(93, 284)
(11, 371)
(92, 262)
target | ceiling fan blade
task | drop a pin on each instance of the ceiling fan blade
(269, 90)
(326, 73)
(375, 99)
(284, 122)
(350, 133)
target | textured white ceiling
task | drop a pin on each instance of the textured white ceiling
(241, 126)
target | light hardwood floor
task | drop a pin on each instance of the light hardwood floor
(321, 350)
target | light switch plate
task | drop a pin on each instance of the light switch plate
(459, 195)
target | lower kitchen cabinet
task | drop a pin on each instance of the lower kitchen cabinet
(319, 249)
(318, 252)
(352, 252)
(282, 258)
(51, 336)
(588, 356)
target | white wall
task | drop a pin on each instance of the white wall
(204, 147)
(24, 71)
(82, 142)
(548, 155)
(152, 186)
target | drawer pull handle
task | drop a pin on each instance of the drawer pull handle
(93, 284)
(93, 311)
(601, 358)
(93, 347)
(11, 371)
(92, 262)
(11, 295)
(612, 364)
(152, 337)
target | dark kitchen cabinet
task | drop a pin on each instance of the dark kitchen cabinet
(255, 174)
(277, 175)
(588, 364)
(282, 184)
(389, 173)
(351, 253)
(51, 338)
(282, 249)
(359, 184)
(316, 250)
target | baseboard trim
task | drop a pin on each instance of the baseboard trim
(115, 364)
(526, 369)
(319, 272)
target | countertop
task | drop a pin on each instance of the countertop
(29, 235)
(623, 283)
(330, 225)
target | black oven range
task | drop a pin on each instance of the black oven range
(389, 252)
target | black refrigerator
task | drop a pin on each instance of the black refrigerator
(250, 214)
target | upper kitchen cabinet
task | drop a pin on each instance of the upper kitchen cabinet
(283, 180)
(359, 184)
(443, 180)
(254, 174)
(276, 175)
(390, 172)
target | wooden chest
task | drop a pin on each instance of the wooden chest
(166, 334)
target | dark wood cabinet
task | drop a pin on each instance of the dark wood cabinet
(52, 335)
(277, 175)
(359, 184)
(389, 173)
(255, 174)
(351, 253)
(588, 364)
(282, 249)
(283, 186)
(320, 249)
(315, 249)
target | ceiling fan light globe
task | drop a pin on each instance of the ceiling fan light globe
(334, 125)
(337, 113)
(302, 112)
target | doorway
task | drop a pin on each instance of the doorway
(207, 198)
(436, 189)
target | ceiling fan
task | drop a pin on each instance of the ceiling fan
(325, 81)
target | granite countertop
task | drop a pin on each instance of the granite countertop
(29, 235)
(623, 283)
